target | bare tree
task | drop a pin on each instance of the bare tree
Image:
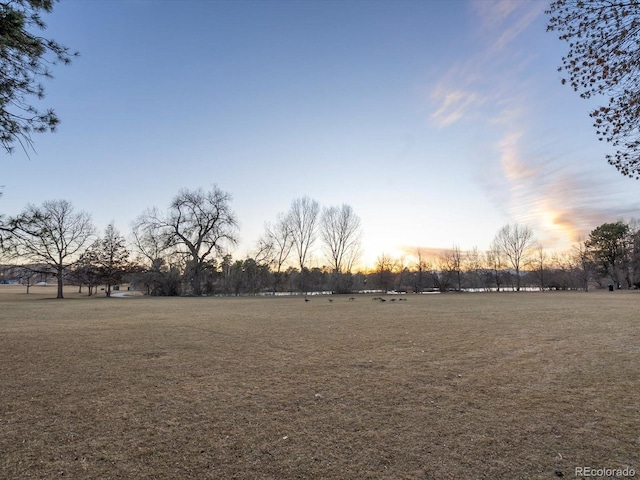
(451, 263)
(341, 233)
(514, 242)
(303, 218)
(26, 276)
(148, 241)
(157, 261)
(402, 273)
(421, 267)
(582, 263)
(495, 263)
(85, 273)
(5, 230)
(472, 266)
(385, 266)
(274, 247)
(538, 263)
(200, 225)
(441, 271)
(53, 234)
(564, 271)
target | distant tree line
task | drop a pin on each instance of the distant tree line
(187, 250)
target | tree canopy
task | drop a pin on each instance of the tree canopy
(25, 58)
(607, 245)
(604, 60)
(53, 234)
(201, 225)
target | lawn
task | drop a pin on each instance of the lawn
(463, 386)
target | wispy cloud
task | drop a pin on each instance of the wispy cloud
(454, 104)
(558, 197)
(468, 86)
(562, 206)
(504, 20)
(520, 178)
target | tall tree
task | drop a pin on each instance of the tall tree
(274, 247)
(157, 261)
(450, 264)
(473, 266)
(421, 268)
(539, 264)
(514, 242)
(110, 256)
(200, 224)
(25, 59)
(632, 259)
(53, 234)
(607, 245)
(495, 263)
(582, 263)
(85, 273)
(303, 218)
(341, 233)
(27, 276)
(604, 60)
(384, 268)
(5, 229)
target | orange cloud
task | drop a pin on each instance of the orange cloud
(560, 207)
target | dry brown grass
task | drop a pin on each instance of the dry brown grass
(497, 386)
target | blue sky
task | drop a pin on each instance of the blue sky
(437, 121)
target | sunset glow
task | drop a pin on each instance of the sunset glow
(438, 122)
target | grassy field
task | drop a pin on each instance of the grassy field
(462, 386)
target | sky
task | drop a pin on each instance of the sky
(438, 122)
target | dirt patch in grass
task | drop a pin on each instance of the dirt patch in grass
(497, 386)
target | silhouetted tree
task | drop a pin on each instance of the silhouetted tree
(157, 263)
(25, 58)
(341, 234)
(513, 242)
(607, 246)
(384, 271)
(582, 264)
(495, 263)
(27, 276)
(450, 265)
(604, 60)
(421, 269)
(110, 257)
(303, 218)
(200, 225)
(274, 247)
(538, 264)
(52, 234)
(472, 266)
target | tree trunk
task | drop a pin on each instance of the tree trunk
(197, 281)
(60, 283)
